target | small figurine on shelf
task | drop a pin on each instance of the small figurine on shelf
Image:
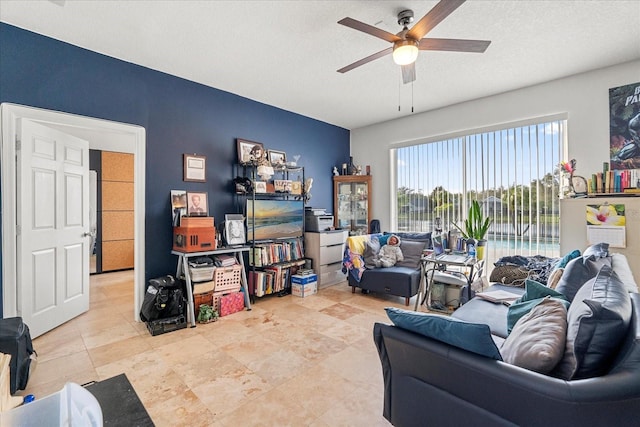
(335, 171)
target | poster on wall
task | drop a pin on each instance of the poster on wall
(624, 126)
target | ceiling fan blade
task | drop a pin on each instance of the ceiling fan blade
(454, 45)
(366, 60)
(409, 73)
(369, 29)
(433, 18)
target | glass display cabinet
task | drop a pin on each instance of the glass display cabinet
(352, 203)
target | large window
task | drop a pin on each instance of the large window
(512, 173)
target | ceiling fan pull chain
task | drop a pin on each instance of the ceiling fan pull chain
(399, 86)
(411, 97)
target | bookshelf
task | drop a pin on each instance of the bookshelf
(276, 244)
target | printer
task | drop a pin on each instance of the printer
(317, 219)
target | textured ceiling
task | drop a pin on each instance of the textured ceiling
(286, 53)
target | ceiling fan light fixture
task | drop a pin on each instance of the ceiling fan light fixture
(405, 52)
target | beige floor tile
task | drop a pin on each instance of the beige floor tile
(341, 311)
(251, 349)
(313, 346)
(227, 392)
(63, 342)
(120, 331)
(75, 367)
(279, 366)
(184, 409)
(269, 410)
(118, 350)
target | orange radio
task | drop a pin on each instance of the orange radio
(194, 239)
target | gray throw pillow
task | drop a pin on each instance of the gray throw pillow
(411, 251)
(597, 322)
(371, 251)
(537, 340)
(577, 272)
(599, 250)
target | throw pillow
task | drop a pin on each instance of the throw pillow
(371, 251)
(383, 239)
(597, 320)
(473, 337)
(533, 295)
(562, 263)
(537, 340)
(554, 277)
(599, 250)
(577, 272)
(411, 252)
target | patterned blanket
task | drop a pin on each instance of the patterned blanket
(353, 258)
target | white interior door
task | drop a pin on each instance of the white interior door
(52, 226)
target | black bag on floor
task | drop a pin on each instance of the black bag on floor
(164, 298)
(15, 340)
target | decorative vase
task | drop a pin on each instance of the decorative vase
(352, 170)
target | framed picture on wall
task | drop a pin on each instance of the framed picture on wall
(277, 158)
(197, 204)
(194, 168)
(247, 150)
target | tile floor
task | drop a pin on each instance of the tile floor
(289, 361)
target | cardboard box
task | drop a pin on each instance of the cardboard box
(304, 279)
(300, 290)
(196, 222)
(231, 303)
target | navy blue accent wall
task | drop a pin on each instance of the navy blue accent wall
(179, 116)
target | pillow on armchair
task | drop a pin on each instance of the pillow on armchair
(371, 251)
(412, 252)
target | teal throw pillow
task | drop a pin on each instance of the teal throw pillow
(473, 337)
(565, 259)
(383, 238)
(534, 294)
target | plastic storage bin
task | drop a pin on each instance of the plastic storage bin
(70, 407)
(227, 279)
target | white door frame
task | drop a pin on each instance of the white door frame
(102, 135)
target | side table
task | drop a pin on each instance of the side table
(430, 265)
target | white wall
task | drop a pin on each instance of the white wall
(584, 98)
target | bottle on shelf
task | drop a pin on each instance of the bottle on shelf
(353, 170)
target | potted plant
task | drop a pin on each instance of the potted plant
(207, 314)
(475, 227)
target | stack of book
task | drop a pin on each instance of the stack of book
(614, 181)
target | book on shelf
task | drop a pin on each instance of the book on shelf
(498, 296)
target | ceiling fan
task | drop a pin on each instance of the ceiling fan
(408, 42)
